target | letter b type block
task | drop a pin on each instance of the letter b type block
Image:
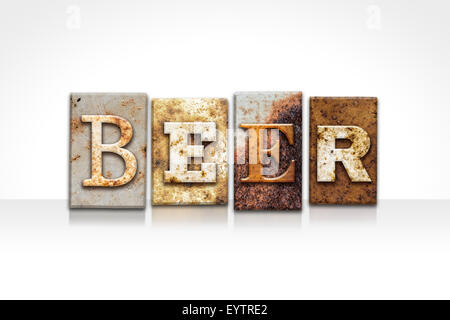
(108, 150)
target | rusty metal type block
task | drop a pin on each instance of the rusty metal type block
(189, 151)
(108, 150)
(343, 150)
(268, 151)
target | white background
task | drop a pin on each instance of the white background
(395, 50)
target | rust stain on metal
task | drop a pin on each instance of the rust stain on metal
(98, 148)
(328, 154)
(343, 173)
(180, 152)
(259, 154)
(144, 150)
(267, 174)
(107, 165)
(186, 130)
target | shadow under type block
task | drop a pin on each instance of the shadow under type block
(343, 150)
(108, 150)
(268, 151)
(189, 151)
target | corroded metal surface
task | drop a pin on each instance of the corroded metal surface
(268, 144)
(98, 148)
(108, 135)
(180, 152)
(328, 154)
(343, 173)
(189, 151)
(265, 161)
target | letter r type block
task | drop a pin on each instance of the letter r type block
(108, 142)
(343, 150)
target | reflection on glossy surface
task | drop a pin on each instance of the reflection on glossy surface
(342, 215)
(189, 215)
(278, 219)
(99, 217)
(388, 214)
(317, 250)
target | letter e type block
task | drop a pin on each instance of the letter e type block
(343, 150)
(189, 151)
(268, 151)
(108, 150)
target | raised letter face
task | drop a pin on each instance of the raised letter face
(268, 151)
(343, 137)
(108, 150)
(97, 148)
(189, 143)
(328, 154)
(259, 155)
(181, 152)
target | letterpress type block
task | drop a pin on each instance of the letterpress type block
(189, 151)
(343, 150)
(268, 151)
(108, 151)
